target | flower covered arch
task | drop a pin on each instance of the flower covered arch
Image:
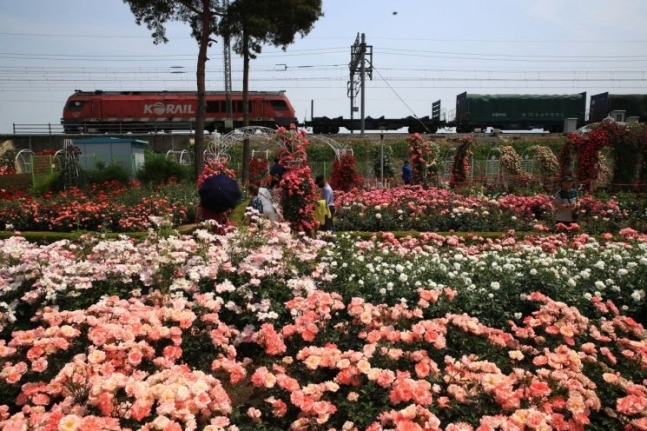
(221, 144)
(297, 188)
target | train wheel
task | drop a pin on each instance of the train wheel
(333, 130)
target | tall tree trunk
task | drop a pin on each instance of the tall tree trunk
(246, 152)
(201, 78)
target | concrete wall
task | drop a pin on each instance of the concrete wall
(156, 143)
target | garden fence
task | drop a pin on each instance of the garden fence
(482, 172)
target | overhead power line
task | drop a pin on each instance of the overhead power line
(404, 39)
(481, 54)
(493, 57)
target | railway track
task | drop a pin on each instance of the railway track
(396, 135)
(25, 130)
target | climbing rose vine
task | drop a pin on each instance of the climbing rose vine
(216, 167)
(461, 162)
(298, 190)
(258, 170)
(511, 163)
(421, 159)
(546, 160)
(345, 175)
(588, 157)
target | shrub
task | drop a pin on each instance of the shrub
(48, 183)
(159, 170)
(107, 173)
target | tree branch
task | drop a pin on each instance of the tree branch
(189, 5)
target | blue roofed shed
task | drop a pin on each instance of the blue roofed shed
(111, 151)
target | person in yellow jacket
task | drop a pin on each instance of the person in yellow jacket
(328, 196)
(322, 212)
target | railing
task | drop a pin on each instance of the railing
(119, 127)
(37, 129)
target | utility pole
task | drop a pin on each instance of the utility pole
(361, 63)
(382, 157)
(226, 55)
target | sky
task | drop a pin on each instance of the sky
(423, 51)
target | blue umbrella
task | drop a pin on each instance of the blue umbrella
(219, 193)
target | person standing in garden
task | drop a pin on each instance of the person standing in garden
(406, 172)
(327, 195)
(255, 201)
(219, 195)
(276, 192)
(268, 204)
(566, 203)
(277, 170)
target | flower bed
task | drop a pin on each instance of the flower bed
(117, 208)
(112, 207)
(266, 330)
(427, 210)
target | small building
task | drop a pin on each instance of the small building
(108, 150)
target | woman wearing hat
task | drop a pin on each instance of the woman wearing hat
(566, 202)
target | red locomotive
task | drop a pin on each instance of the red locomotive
(150, 111)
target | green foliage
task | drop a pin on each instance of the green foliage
(389, 170)
(363, 147)
(400, 149)
(158, 169)
(521, 146)
(107, 173)
(624, 147)
(252, 23)
(320, 153)
(48, 183)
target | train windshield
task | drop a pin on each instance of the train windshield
(76, 104)
(279, 105)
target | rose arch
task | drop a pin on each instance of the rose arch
(220, 144)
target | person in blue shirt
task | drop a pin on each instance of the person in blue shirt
(327, 195)
(254, 201)
(277, 170)
(406, 172)
(566, 202)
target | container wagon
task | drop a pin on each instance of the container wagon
(620, 107)
(518, 112)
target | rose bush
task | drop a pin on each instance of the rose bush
(461, 162)
(259, 171)
(118, 208)
(422, 159)
(108, 207)
(298, 192)
(265, 330)
(416, 208)
(345, 175)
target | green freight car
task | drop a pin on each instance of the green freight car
(605, 105)
(518, 112)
